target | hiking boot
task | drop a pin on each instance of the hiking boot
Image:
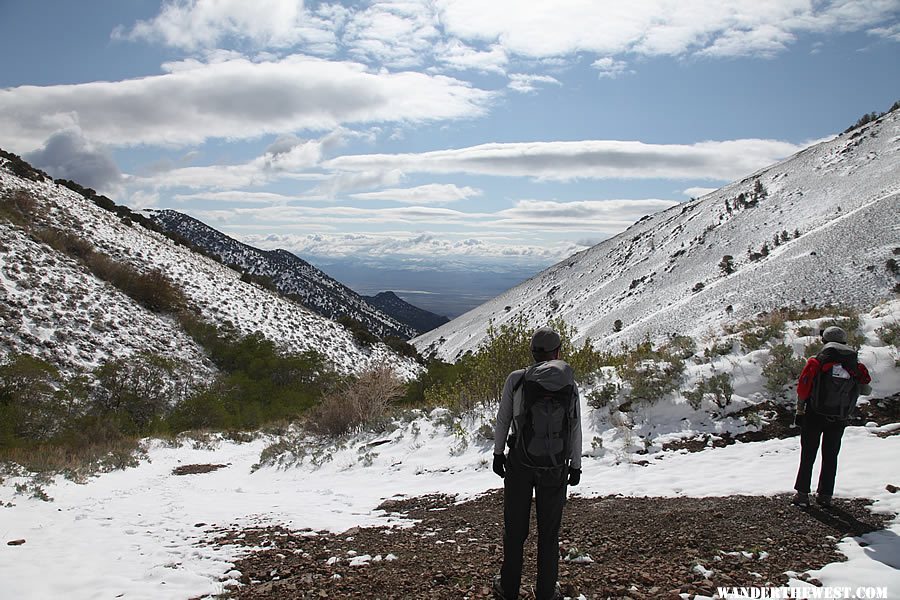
(823, 500)
(557, 593)
(497, 589)
(800, 499)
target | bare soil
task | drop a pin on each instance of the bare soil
(640, 547)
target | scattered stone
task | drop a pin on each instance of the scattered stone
(643, 547)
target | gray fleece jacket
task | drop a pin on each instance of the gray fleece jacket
(553, 375)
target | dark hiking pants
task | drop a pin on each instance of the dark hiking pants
(550, 496)
(816, 428)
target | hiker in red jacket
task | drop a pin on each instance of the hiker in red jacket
(827, 392)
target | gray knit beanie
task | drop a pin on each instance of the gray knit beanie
(834, 334)
(545, 340)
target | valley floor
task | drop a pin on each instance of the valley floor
(168, 529)
(642, 548)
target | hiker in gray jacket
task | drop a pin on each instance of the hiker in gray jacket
(540, 412)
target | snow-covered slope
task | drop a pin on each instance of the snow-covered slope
(136, 532)
(835, 208)
(57, 309)
(289, 274)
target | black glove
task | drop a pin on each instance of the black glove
(798, 420)
(574, 476)
(500, 464)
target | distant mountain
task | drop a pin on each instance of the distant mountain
(285, 272)
(818, 228)
(56, 309)
(419, 319)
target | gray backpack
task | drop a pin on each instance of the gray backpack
(542, 428)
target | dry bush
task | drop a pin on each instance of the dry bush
(63, 241)
(359, 403)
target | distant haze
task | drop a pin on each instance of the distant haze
(449, 291)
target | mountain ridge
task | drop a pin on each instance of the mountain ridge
(288, 273)
(419, 319)
(816, 228)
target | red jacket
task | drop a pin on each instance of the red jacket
(814, 367)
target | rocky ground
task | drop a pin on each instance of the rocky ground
(616, 547)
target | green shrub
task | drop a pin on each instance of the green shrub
(603, 396)
(782, 368)
(813, 348)
(681, 346)
(360, 333)
(718, 387)
(137, 391)
(650, 379)
(755, 334)
(889, 334)
(805, 331)
(718, 348)
(31, 407)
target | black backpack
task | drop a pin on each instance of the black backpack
(835, 390)
(542, 429)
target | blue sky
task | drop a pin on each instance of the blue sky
(432, 134)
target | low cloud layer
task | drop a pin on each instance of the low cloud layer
(593, 159)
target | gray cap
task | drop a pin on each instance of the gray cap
(545, 340)
(834, 334)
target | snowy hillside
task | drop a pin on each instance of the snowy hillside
(56, 309)
(137, 532)
(833, 208)
(290, 275)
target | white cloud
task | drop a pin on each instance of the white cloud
(532, 216)
(697, 192)
(234, 99)
(890, 32)
(597, 159)
(606, 216)
(434, 193)
(408, 33)
(610, 67)
(524, 83)
(411, 245)
(196, 24)
(656, 27)
(242, 197)
(397, 33)
(455, 54)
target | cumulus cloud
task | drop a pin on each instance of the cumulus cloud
(67, 154)
(235, 99)
(434, 193)
(524, 83)
(457, 55)
(610, 67)
(656, 27)
(598, 159)
(196, 24)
